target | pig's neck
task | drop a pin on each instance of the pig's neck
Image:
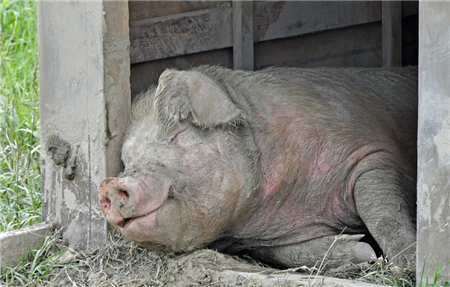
(278, 196)
(279, 160)
(296, 162)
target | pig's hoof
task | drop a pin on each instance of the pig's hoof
(351, 249)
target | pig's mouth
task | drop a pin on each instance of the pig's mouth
(121, 208)
(127, 221)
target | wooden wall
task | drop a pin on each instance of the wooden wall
(285, 33)
(86, 58)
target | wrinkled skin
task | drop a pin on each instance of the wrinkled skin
(277, 162)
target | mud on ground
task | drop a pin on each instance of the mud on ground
(123, 263)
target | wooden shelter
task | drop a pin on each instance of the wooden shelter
(95, 56)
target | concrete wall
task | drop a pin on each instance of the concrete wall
(433, 206)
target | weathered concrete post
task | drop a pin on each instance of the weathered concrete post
(85, 101)
(433, 206)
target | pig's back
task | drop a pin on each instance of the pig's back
(376, 104)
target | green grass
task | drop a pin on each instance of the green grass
(436, 279)
(33, 266)
(20, 195)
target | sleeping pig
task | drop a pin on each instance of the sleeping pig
(282, 163)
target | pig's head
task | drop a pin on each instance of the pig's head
(191, 166)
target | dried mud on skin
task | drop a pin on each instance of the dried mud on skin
(123, 263)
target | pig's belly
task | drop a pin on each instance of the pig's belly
(293, 221)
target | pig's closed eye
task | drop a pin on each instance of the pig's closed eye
(175, 137)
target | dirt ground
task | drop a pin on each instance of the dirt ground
(123, 263)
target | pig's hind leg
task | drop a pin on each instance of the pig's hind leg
(324, 252)
(385, 200)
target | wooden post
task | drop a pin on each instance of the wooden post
(391, 19)
(84, 99)
(243, 35)
(433, 186)
(116, 46)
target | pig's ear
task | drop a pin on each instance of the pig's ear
(181, 94)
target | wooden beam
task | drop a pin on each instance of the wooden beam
(351, 46)
(433, 183)
(14, 244)
(140, 10)
(243, 35)
(392, 33)
(72, 118)
(210, 29)
(281, 19)
(180, 34)
(116, 46)
(84, 100)
(355, 46)
(145, 75)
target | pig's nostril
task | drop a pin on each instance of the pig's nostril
(105, 204)
(123, 194)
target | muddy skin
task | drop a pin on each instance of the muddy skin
(282, 163)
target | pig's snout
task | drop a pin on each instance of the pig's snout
(114, 200)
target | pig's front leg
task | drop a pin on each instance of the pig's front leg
(385, 201)
(324, 252)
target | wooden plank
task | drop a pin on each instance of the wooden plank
(243, 35)
(144, 75)
(358, 46)
(180, 34)
(204, 30)
(80, 124)
(351, 46)
(140, 10)
(392, 33)
(280, 19)
(13, 244)
(116, 46)
(433, 186)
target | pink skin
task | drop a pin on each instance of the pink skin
(148, 215)
(303, 219)
(167, 205)
(284, 177)
(124, 204)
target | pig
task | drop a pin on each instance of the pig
(282, 163)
